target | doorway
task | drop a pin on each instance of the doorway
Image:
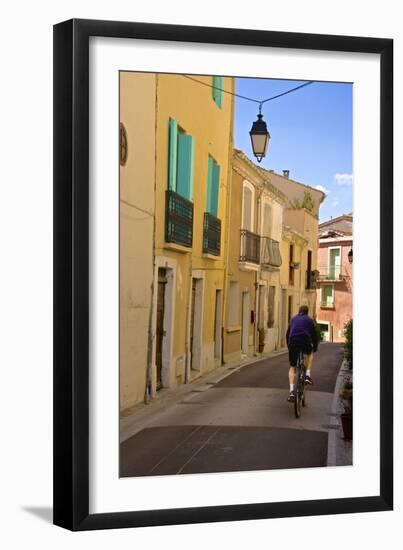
(245, 322)
(196, 316)
(289, 312)
(217, 324)
(160, 330)
(334, 263)
(283, 316)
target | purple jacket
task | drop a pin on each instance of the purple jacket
(302, 327)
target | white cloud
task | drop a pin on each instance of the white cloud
(335, 202)
(323, 189)
(343, 179)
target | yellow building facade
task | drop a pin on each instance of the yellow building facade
(189, 160)
(252, 316)
(299, 248)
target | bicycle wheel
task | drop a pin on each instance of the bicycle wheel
(298, 390)
(304, 396)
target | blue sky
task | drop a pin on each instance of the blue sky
(311, 134)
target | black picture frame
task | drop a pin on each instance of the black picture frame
(71, 273)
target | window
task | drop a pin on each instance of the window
(217, 90)
(233, 303)
(291, 267)
(181, 157)
(270, 319)
(213, 184)
(248, 197)
(327, 296)
(334, 263)
(266, 229)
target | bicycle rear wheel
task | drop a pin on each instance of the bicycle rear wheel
(298, 392)
(299, 386)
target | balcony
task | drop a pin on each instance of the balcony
(178, 219)
(250, 247)
(211, 234)
(311, 278)
(333, 274)
(270, 257)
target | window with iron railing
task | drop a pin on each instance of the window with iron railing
(211, 234)
(250, 247)
(178, 219)
(332, 273)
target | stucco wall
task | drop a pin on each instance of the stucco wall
(246, 279)
(343, 291)
(137, 177)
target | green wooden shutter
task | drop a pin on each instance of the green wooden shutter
(172, 154)
(215, 188)
(209, 182)
(217, 94)
(184, 177)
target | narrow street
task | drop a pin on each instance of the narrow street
(242, 422)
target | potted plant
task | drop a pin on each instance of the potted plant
(346, 397)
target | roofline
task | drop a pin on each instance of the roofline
(271, 187)
(331, 220)
(331, 240)
(306, 186)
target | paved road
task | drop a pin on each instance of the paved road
(243, 422)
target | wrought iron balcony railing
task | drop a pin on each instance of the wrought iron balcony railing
(178, 219)
(311, 278)
(270, 253)
(250, 247)
(333, 273)
(211, 234)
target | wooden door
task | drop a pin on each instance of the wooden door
(162, 281)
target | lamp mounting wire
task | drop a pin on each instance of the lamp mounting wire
(260, 102)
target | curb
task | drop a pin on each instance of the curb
(335, 434)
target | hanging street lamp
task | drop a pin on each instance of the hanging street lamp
(350, 256)
(259, 136)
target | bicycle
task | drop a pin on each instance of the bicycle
(300, 387)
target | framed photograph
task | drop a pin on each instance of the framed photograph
(223, 274)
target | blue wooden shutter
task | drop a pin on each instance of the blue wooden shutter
(217, 94)
(184, 179)
(172, 154)
(215, 188)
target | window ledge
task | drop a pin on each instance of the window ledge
(210, 256)
(234, 328)
(178, 248)
(248, 266)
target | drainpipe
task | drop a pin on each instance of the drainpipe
(187, 340)
(257, 274)
(227, 227)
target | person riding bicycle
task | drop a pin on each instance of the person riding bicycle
(301, 337)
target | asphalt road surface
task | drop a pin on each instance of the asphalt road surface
(243, 422)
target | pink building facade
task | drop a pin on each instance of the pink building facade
(334, 276)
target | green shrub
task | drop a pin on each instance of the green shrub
(318, 331)
(348, 341)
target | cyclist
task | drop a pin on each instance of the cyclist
(301, 337)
